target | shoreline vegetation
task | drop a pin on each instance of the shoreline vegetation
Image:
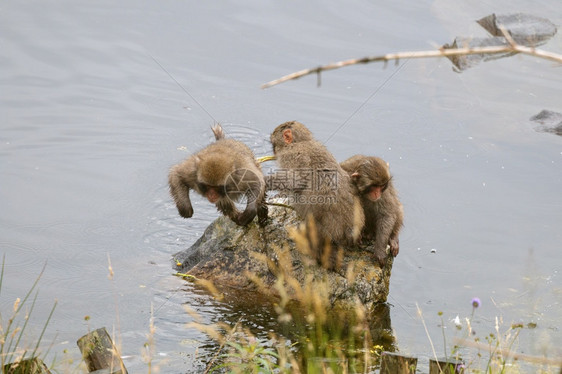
(322, 339)
(314, 338)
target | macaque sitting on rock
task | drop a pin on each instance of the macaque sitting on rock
(223, 172)
(384, 214)
(315, 185)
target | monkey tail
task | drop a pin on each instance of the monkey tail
(218, 131)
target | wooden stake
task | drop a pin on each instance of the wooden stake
(446, 366)
(392, 363)
(99, 353)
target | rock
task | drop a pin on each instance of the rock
(463, 62)
(230, 256)
(525, 29)
(548, 121)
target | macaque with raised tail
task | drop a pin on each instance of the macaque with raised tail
(384, 214)
(223, 172)
(315, 184)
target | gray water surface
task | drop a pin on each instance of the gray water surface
(92, 116)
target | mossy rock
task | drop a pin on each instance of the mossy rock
(255, 258)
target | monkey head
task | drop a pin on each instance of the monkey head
(372, 178)
(212, 173)
(288, 133)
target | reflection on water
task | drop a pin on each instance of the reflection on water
(257, 319)
(90, 125)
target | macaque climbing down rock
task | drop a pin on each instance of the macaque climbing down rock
(223, 172)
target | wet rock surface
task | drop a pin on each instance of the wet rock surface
(230, 256)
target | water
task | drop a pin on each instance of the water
(92, 116)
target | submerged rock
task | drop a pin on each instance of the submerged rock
(463, 62)
(245, 257)
(525, 29)
(548, 121)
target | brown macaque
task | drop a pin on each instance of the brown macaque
(223, 172)
(315, 185)
(384, 214)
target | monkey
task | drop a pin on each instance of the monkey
(223, 172)
(384, 214)
(315, 184)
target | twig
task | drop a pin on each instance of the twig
(280, 205)
(427, 332)
(185, 275)
(265, 158)
(442, 52)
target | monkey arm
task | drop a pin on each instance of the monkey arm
(180, 184)
(248, 214)
(393, 240)
(382, 233)
(253, 185)
(248, 183)
(386, 233)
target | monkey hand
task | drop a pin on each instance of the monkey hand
(185, 210)
(381, 256)
(242, 219)
(262, 214)
(394, 246)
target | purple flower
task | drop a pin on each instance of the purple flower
(475, 302)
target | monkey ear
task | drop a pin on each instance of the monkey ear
(355, 176)
(288, 136)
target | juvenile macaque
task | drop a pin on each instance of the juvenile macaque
(315, 184)
(383, 211)
(223, 172)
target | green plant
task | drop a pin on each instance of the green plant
(321, 336)
(13, 328)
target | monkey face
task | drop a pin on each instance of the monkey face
(374, 192)
(370, 185)
(212, 193)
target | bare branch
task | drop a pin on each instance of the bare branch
(442, 52)
(507, 36)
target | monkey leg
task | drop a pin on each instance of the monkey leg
(394, 244)
(262, 213)
(383, 237)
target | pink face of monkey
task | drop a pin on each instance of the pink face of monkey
(374, 193)
(372, 178)
(212, 194)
